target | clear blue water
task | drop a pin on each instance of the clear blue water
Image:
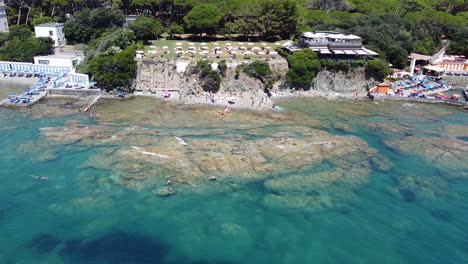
(81, 216)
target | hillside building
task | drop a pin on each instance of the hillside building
(52, 30)
(333, 45)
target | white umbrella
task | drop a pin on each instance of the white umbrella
(191, 48)
(242, 48)
(218, 52)
(267, 47)
(153, 47)
(178, 48)
(191, 44)
(264, 44)
(204, 48)
(165, 47)
(250, 44)
(178, 44)
(261, 53)
(241, 44)
(153, 52)
(256, 48)
(228, 44)
(192, 52)
(179, 52)
(217, 48)
(204, 52)
(216, 43)
(233, 52)
(203, 44)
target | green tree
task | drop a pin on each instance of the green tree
(114, 71)
(303, 67)
(24, 50)
(146, 28)
(175, 29)
(90, 24)
(41, 20)
(203, 18)
(379, 67)
(21, 32)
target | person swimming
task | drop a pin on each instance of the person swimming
(40, 177)
(37, 148)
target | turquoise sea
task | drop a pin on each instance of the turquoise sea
(320, 182)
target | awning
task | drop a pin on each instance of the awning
(338, 52)
(325, 51)
(434, 68)
(349, 52)
(361, 52)
(370, 52)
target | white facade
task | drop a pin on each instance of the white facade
(3, 18)
(52, 30)
(62, 60)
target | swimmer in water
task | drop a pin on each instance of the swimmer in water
(212, 178)
(40, 177)
(37, 148)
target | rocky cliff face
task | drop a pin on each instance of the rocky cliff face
(163, 76)
(340, 82)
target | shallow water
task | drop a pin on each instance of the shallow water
(104, 200)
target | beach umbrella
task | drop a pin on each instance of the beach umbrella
(41, 81)
(228, 44)
(191, 44)
(250, 44)
(240, 44)
(24, 96)
(178, 48)
(179, 44)
(13, 95)
(165, 47)
(191, 48)
(264, 44)
(216, 43)
(203, 44)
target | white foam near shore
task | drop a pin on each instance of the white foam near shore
(151, 153)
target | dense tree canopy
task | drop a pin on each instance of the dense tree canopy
(147, 28)
(90, 24)
(203, 18)
(303, 67)
(20, 45)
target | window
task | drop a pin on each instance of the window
(44, 62)
(51, 33)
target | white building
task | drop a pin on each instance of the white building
(335, 45)
(3, 17)
(62, 60)
(52, 30)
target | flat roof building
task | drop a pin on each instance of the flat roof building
(331, 44)
(63, 60)
(52, 30)
(3, 17)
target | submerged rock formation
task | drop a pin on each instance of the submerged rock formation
(446, 154)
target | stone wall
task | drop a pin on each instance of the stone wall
(73, 92)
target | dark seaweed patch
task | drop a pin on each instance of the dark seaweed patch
(408, 195)
(44, 243)
(115, 248)
(442, 214)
